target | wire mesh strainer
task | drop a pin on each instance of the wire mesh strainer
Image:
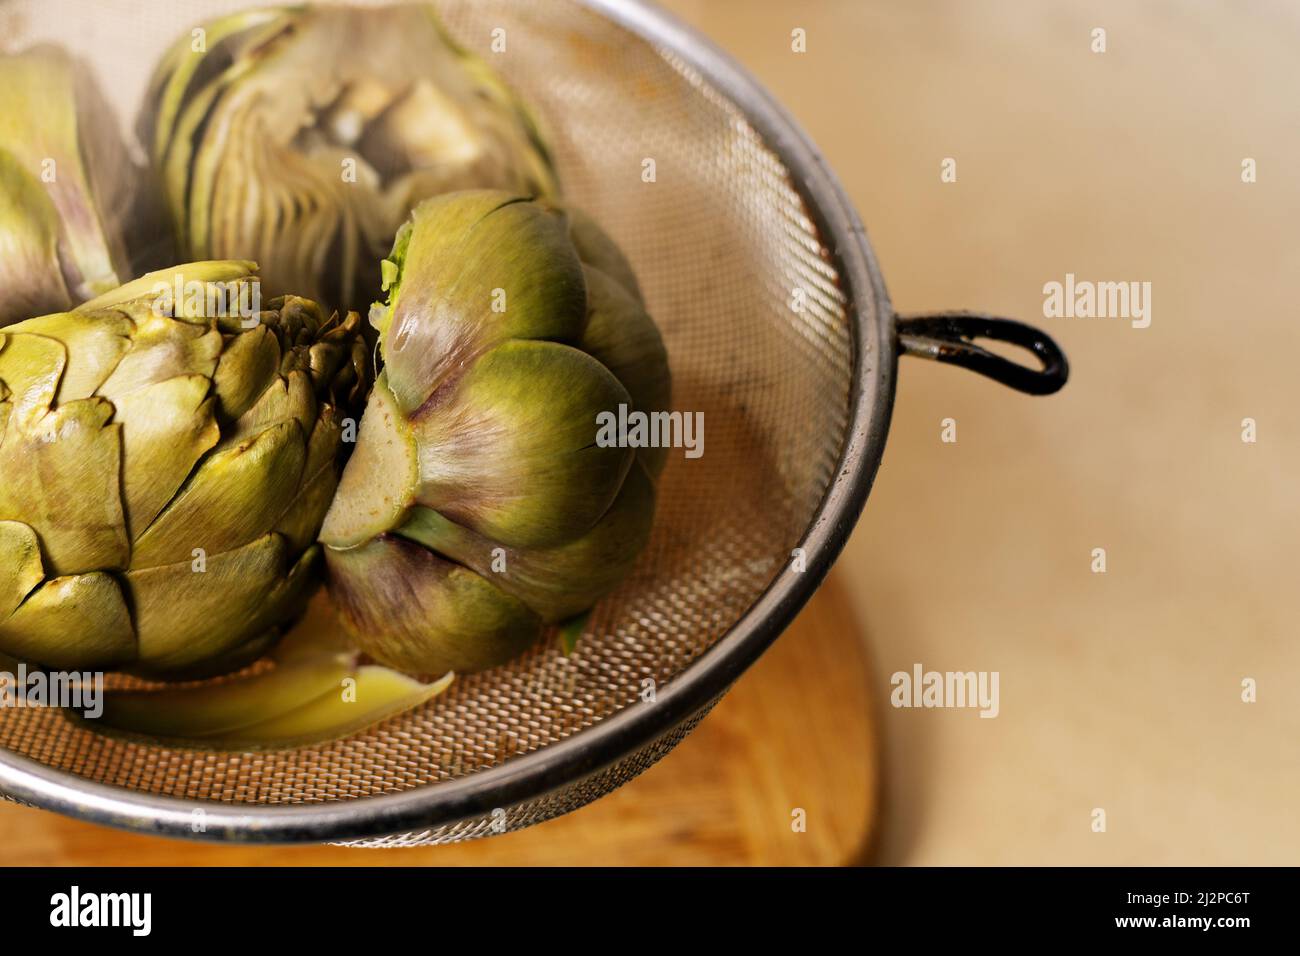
(779, 330)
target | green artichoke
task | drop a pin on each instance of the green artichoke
(478, 505)
(64, 187)
(166, 459)
(302, 137)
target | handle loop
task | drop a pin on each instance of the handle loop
(949, 337)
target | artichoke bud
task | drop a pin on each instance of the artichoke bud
(61, 215)
(303, 136)
(479, 506)
(164, 471)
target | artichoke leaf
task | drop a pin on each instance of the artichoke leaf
(597, 250)
(412, 610)
(623, 338)
(513, 452)
(370, 695)
(556, 582)
(219, 708)
(246, 369)
(288, 398)
(20, 565)
(172, 80)
(93, 345)
(380, 480)
(30, 368)
(163, 349)
(187, 276)
(301, 523)
(193, 610)
(473, 271)
(236, 495)
(62, 477)
(76, 622)
(168, 427)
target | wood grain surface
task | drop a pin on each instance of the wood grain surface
(797, 732)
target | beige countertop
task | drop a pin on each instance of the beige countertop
(1120, 691)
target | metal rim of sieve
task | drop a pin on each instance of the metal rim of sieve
(878, 337)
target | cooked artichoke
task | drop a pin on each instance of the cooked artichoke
(479, 505)
(302, 138)
(64, 187)
(166, 459)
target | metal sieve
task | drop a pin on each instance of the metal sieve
(779, 330)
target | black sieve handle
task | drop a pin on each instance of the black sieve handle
(950, 337)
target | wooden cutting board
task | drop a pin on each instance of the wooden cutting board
(796, 733)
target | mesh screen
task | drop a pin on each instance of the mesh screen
(720, 241)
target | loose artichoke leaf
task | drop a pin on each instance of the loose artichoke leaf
(219, 708)
(61, 474)
(93, 346)
(185, 616)
(78, 622)
(180, 276)
(512, 453)
(30, 274)
(380, 479)
(446, 307)
(412, 610)
(20, 565)
(236, 495)
(167, 427)
(375, 694)
(557, 582)
(623, 338)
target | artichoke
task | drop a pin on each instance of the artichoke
(478, 505)
(64, 177)
(166, 459)
(302, 138)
